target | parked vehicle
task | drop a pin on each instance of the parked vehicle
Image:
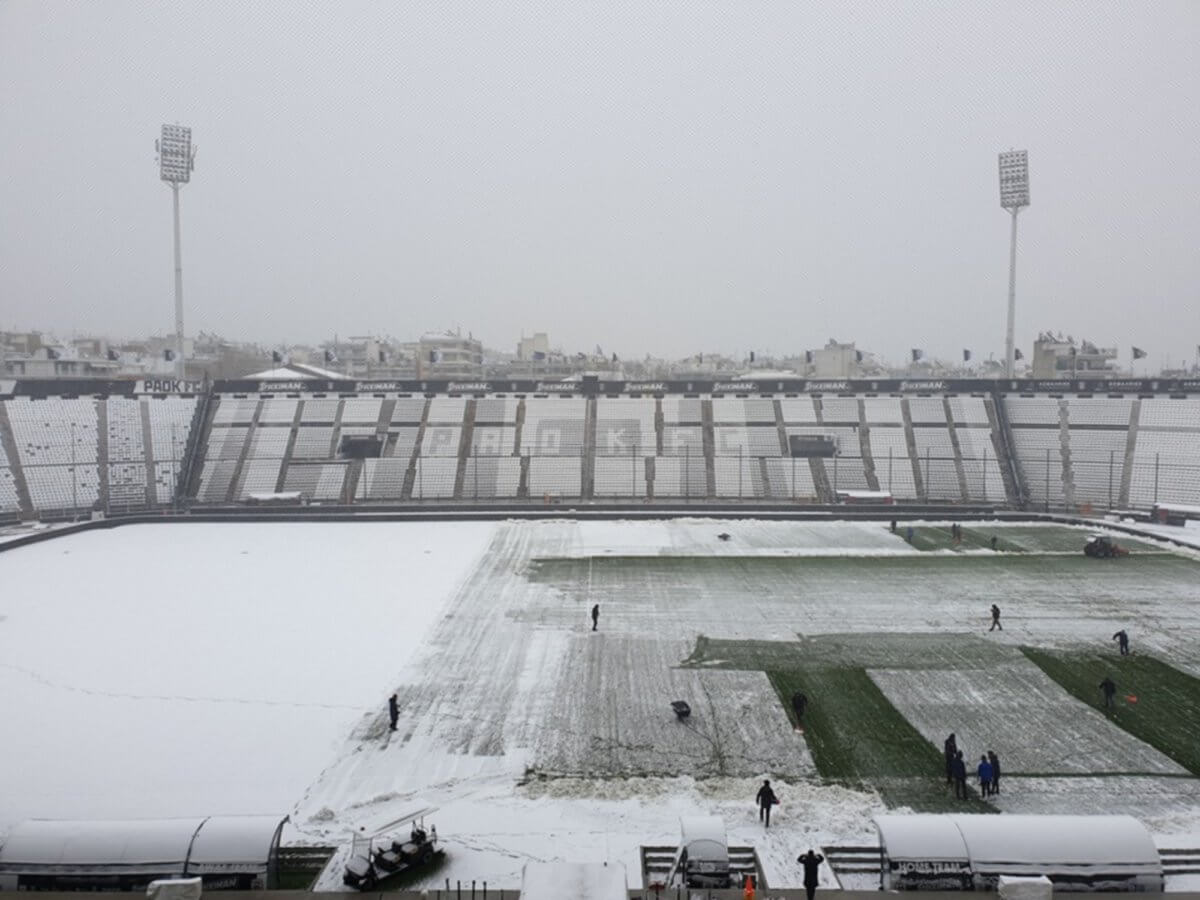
(1103, 547)
(376, 857)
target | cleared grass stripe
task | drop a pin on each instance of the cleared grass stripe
(1155, 702)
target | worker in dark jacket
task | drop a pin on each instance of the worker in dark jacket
(995, 761)
(595, 616)
(799, 704)
(1122, 640)
(960, 776)
(766, 799)
(812, 865)
(1108, 688)
(996, 618)
(393, 711)
(950, 749)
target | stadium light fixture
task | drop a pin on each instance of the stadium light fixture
(176, 159)
(1014, 196)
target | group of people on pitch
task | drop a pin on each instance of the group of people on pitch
(988, 770)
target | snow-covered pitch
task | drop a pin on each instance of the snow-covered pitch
(183, 669)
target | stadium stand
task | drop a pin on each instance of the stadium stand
(125, 453)
(57, 441)
(122, 452)
(1166, 458)
(170, 422)
(938, 462)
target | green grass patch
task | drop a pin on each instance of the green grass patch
(1016, 539)
(1165, 713)
(854, 733)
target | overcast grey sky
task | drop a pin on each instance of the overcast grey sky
(650, 177)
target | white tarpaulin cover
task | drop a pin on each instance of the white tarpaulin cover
(573, 881)
(1014, 888)
(175, 889)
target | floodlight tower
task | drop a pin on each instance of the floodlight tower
(1014, 195)
(176, 158)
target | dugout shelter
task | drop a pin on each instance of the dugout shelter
(972, 852)
(226, 852)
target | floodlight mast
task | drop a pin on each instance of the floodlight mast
(177, 158)
(1014, 195)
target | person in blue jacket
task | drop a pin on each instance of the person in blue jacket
(985, 776)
